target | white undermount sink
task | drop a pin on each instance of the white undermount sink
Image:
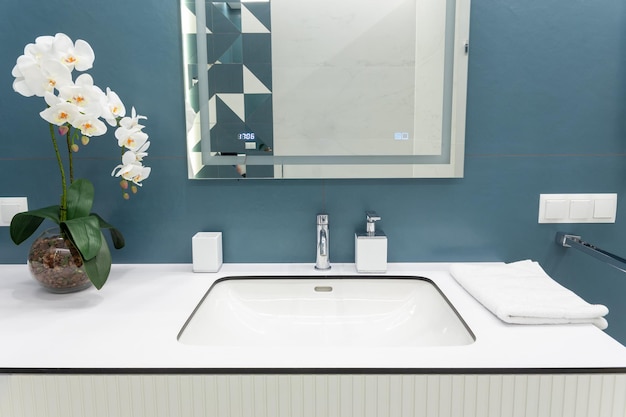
(325, 312)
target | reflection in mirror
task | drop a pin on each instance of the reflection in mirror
(325, 89)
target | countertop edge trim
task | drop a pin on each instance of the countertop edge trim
(313, 371)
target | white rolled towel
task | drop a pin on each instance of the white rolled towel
(522, 293)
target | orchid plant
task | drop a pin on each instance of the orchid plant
(76, 111)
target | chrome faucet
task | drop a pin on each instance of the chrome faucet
(322, 260)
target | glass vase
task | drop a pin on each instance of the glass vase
(56, 264)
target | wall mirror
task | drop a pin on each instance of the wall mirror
(325, 88)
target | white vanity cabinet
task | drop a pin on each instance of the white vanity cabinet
(115, 352)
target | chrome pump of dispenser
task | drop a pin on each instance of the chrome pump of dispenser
(371, 217)
(322, 260)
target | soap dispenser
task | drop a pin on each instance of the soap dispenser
(370, 247)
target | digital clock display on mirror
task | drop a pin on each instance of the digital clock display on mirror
(246, 136)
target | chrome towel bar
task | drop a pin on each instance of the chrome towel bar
(572, 241)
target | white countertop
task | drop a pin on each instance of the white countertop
(133, 323)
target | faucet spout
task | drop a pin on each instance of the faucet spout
(322, 258)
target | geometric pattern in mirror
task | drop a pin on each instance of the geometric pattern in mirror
(240, 77)
(239, 74)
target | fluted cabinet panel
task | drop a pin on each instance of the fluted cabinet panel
(501, 395)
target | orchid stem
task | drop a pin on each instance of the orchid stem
(70, 154)
(63, 206)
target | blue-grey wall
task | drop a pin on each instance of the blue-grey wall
(546, 114)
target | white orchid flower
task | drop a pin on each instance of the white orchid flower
(78, 56)
(36, 78)
(60, 114)
(136, 174)
(131, 169)
(131, 158)
(132, 122)
(85, 95)
(132, 139)
(113, 108)
(30, 64)
(89, 125)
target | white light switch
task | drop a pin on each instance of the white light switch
(580, 209)
(577, 208)
(556, 209)
(604, 208)
(9, 207)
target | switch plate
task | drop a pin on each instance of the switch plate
(577, 208)
(9, 207)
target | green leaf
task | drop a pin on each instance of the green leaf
(79, 198)
(85, 234)
(98, 267)
(24, 224)
(116, 235)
